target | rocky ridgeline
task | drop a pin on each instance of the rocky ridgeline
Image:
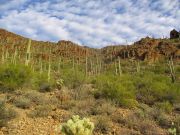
(147, 49)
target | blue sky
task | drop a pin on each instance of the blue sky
(94, 23)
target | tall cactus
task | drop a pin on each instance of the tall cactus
(119, 64)
(3, 58)
(41, 66)
(116, 69)
(138, 66)
(28, 53)
(172, 71)
(49, 67)
(14, 57)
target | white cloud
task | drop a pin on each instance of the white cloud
(93, 23)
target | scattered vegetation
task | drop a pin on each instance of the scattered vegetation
(91, 85)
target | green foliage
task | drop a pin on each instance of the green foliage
(151, 88)
(73, 79)
(41, 82)
(13, 77)
(121, 90)
(164, 106)
(77, 126)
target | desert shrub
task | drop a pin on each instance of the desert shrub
(163, 120)
(103, 124)
(82, 92)
(41, 83)
(118, 118)
(164, 106)
(73, 79)
(69, 105)
(6, 114)
(13, 77)
(23, 103)
(41, 111)
(160, 118)
(77, 126)
(160, 68)
(144, 125)
(83, 107)
(103, 108)
(151, 88)
(118, 90)
(147, 127)
(35, 97)
(177, 124)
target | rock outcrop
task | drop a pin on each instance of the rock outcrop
(174, 34)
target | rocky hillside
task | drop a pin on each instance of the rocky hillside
(150, 49)
(147, 49)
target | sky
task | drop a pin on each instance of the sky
(94, 23)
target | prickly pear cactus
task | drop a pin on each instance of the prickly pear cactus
(77, 126)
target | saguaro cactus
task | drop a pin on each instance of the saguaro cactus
(14, 57)
(120, 70)
(28, 53)
(172, 71)
(49, 67)
(3, 58)
(138, 66)
(116, 69)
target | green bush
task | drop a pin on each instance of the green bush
(13, 77)
(164, 106)
(120, 90)
(41, 83)
(73, 79)
(151, 88)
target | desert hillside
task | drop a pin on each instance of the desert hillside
(120, 89)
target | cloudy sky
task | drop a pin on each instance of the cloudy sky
(95, 23)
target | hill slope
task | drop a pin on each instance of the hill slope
(147, 49)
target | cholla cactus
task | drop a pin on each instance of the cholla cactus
(172, 130)
(76, 126)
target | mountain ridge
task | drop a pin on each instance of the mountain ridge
(147, 48)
